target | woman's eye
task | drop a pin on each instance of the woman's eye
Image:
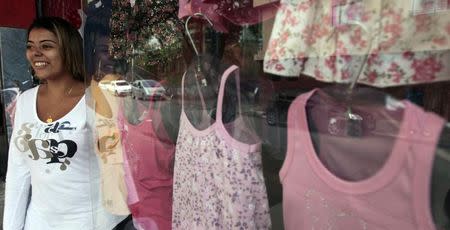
(46, 47)
(28, 47)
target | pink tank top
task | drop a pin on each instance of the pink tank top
(218, 180)
(148, 164)
(395, 197)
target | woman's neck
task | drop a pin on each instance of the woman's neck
(67, 87)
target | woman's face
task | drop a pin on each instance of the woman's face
(44, 54)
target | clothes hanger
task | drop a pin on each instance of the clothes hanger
(172, 110)
(346, 95)
(198, 69)
(354, 118)
(206, 71)
(441, 167)
(442, 153)
(351, 112)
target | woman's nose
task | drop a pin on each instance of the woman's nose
(37, 52)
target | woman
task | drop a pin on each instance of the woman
(51, 151)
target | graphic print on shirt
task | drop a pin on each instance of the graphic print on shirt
(57, 127)
(108, 140)
(46, 148)
(323, 214)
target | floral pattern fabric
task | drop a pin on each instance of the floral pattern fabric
(382, 70)
(217, 186)
(317, 38)
(218, 180)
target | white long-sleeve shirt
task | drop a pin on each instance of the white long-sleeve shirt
(53, 174)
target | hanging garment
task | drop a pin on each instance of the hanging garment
(309, 28)
(397, 196)
(109, 151)
(149, 157)
(55, 165)
(310, 34)
(17, 14)
(108, 148)
(218, 180)
(382, 70)
(67, 9)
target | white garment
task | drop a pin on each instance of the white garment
(57, 161)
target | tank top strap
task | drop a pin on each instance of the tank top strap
(225, 75)
(182, 91)
(296, 111)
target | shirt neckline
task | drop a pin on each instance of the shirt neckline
(379, 179)
(82, 99)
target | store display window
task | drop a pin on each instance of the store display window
(262, 114)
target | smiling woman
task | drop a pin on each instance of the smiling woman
(56, 58)
(51, 151)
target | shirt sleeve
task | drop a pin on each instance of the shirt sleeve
(17, 188)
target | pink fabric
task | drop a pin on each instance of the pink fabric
(394, 197)
(222, 12)
(190, 7)
(148, 170)
(218, 181)
(313, 38)
(242, 12)
(11, 111)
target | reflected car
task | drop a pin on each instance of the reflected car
(104, 84)
(119, 88)
(148, 89)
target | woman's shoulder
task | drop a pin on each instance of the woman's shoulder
(29, 92)
(27, 95)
